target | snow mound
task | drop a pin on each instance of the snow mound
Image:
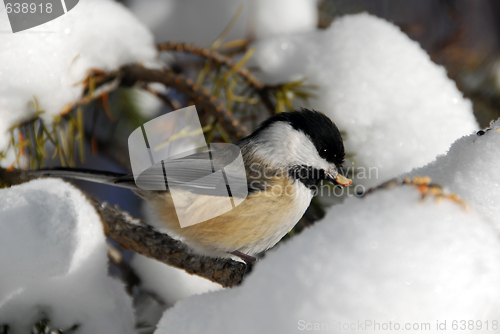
(279, 17)
(170, 283)
(201, 22)
(48, 61)
(54, 262)
(399, 110)
(471, 170)
(386, 258)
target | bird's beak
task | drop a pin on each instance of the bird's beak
(339, 179)
(343, 181)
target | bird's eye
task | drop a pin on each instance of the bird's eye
(323, 153)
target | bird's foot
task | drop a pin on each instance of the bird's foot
(247, 258)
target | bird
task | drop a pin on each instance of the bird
(290, 151)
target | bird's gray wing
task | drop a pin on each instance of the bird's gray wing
(217, 173)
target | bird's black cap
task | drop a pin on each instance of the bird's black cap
(323, 132)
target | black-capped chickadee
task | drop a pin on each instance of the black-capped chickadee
(285, 159)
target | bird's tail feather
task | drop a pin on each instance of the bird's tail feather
(115, 179)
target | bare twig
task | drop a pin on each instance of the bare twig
(132, 74)
(220, 59)
(215, 57)
(174, 105)
(102, 90)
(135, 235)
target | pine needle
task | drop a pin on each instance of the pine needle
(215, 45)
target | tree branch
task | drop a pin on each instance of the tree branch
(135, 235)
(215, 57)
(131, 74)
(220, 59)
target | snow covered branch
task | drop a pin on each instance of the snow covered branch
(135, 235)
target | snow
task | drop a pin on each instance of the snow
(170, 283)
(388, 257)
(201, 22)
(470, 169)
(49, 61)
(54, 262)
(189, 21)
(399, 110)
(148, 105)
(281, 17)
(162, 286)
